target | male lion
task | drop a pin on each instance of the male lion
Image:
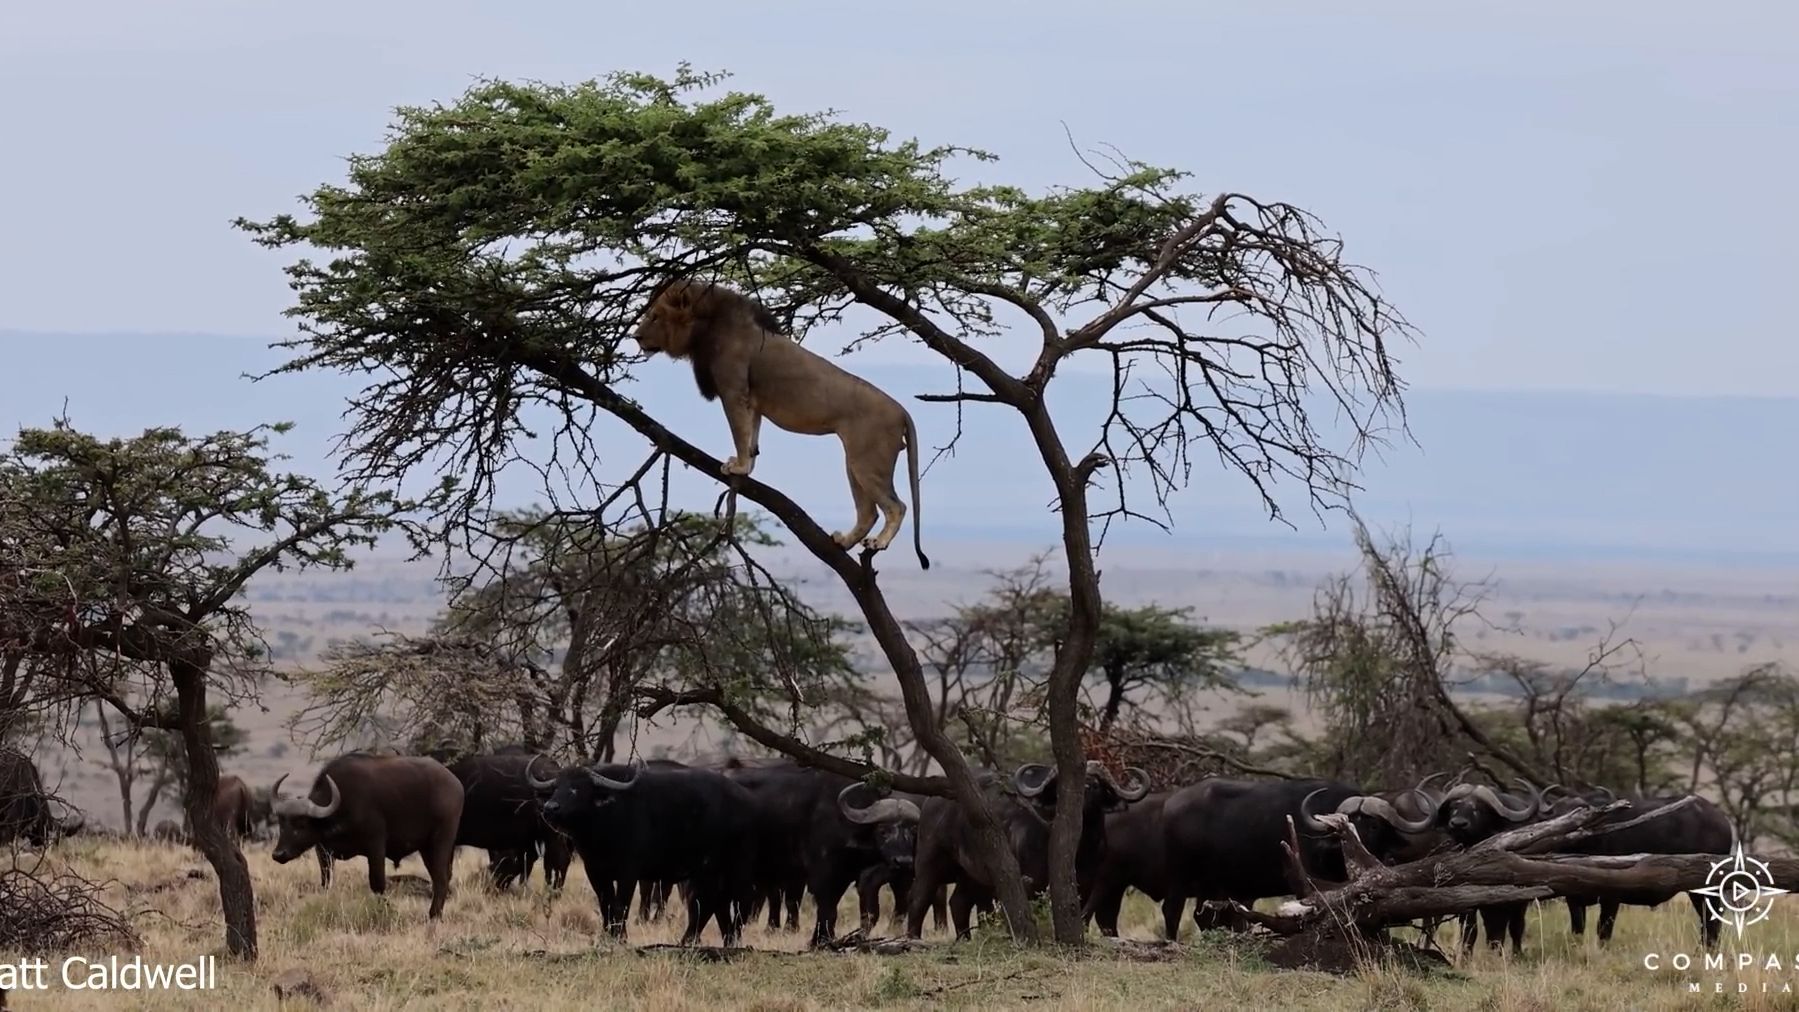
(742, 359)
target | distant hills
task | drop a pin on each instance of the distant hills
(1553, 476)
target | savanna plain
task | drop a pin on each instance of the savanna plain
(530, 950)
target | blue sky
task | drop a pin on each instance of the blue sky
(1561, 196)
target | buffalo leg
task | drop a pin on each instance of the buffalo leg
(440, 862)
(623, 890)
(377, 868)
(1577, 918)
(827, 892)
(924, 894)
(1709, 926)
(1466, 920)
(1102, 908)
(961, 904)
(1608, 919)
(868, 896)
(1171, 915)
(324, 867)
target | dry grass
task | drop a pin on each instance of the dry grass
(526, 952)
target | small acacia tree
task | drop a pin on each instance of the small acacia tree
(487, 265)
(128, 557)
(551, 645)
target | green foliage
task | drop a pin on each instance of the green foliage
(501, 245)
(131, 555)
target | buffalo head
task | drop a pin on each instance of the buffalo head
(579, 791)
(1470, 813)
(301, 821)
(1036, 782)
(894, 820)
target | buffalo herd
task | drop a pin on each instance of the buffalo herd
(730, 838)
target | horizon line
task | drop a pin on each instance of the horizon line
(269, 342)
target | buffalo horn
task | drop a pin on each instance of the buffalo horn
(1139, 780)
(884, 810)
(1022, 779)
(532, 779)
(330, 807)
(1139, 788)
(1305, 813)
(1459, 791)
(1424, 785)
(601, 780)
(1607, 791)
(1491, 799)
(1381, 808)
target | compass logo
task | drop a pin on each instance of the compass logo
(1739, 890)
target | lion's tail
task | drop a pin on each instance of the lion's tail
(912, 465)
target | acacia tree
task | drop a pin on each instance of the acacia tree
(550, 647)
(487, 266)
(126, 555)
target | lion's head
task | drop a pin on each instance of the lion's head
(668, 325)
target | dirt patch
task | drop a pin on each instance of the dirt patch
(1328, 949)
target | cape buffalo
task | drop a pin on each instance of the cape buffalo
(631, 823)
(815, 832)
(379, 808)
(503, 815)
(231, 805)
(1133, 860)
(1470, 813)
(24, 807)
(1222, 837)
(1698, 827)
(946, 853)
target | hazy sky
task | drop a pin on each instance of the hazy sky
(1588, 195)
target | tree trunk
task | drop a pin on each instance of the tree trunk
(1114, 696)
(236, 897)
(1072, 660)
(143, 814)
(1515, 866)
(991, 844)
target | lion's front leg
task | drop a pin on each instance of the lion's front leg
(746, 429)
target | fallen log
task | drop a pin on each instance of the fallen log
(1517, 865)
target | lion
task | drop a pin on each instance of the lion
(742, 359)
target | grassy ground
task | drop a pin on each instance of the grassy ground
(497, 951)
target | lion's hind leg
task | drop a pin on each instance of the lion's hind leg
(872, 469)
(865, 503)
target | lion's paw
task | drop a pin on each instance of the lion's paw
(734, 466)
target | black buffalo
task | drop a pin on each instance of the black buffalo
(1133, 860)
(1222, 838)
(946, 853)
(635, 823)
(379, 808)
(1470, 813)
(24, 807)
(1698, 827)
(816, 834)
(503, 815)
